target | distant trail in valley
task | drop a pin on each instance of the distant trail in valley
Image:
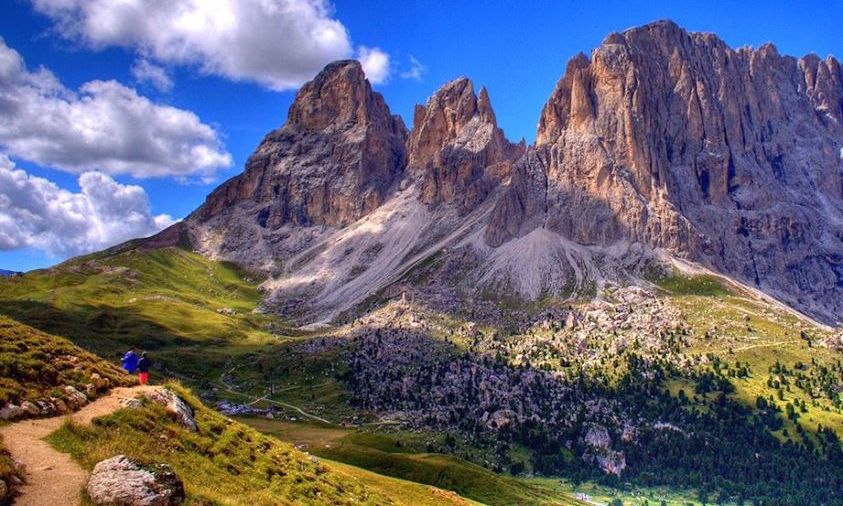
(254, 400)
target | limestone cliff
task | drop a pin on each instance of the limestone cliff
(457, 148)
(731, 158)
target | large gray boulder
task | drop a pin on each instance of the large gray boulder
(125, 482)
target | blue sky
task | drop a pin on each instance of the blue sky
(517, 49)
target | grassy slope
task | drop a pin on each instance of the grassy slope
(165, 301)
(379, 452)
(749, 331)
(227, 462)
(34, 365)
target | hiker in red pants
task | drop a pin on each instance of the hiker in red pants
(143, 369)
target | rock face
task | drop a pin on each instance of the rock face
(600, 445)
(122, 481)
(731, 158)
(457, 147)
(11, 412)
(661, 144)
(334, 161)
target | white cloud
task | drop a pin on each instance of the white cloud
(145, 72)
(375, 64)
(415, 71)
(104, 126)
(36, 213)
(277, 43)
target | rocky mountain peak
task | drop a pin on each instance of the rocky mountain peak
(658, 144)
(335, 160)
(440, 121)
(339, 96)
(824, 87)
(720, 155)
(456, 146)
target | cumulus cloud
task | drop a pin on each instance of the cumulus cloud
(37, 213)
(277, 43)
(415, 71)
(375, 64)
(145, 72)
(104, 126)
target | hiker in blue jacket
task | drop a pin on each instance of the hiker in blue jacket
(130, 361)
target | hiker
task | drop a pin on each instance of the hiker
(130, 361)
(143, 369)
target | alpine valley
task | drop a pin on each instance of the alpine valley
(643, 306)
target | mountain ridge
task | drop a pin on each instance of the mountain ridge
(661, 145)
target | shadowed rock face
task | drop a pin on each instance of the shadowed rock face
(334, 161)
(660, 140)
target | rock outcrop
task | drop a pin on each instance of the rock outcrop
(457, 148)
(172, 403)
(123, 481)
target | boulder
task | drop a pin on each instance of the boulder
(47, 408)
(501, 418)
(598, 437)
(99, 382)
(10, 412)
(611, 462)
(130, 403)
(175, 406)
(30, 409)
(60, 405)
(75, 398)
(125, 482)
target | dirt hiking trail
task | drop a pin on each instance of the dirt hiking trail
(53, 477)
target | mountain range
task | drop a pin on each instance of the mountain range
(662, 149)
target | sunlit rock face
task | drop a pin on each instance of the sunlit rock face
(661, 144)
(457, 148)
(674, 140)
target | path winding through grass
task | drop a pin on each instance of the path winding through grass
(53, 477)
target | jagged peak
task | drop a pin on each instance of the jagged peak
(456, 86)
(443, 117)
(484, 106)
(339, 95)
(457, 95)
(665, 33)
(664, 41)
(580, 60)
(660, 26)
